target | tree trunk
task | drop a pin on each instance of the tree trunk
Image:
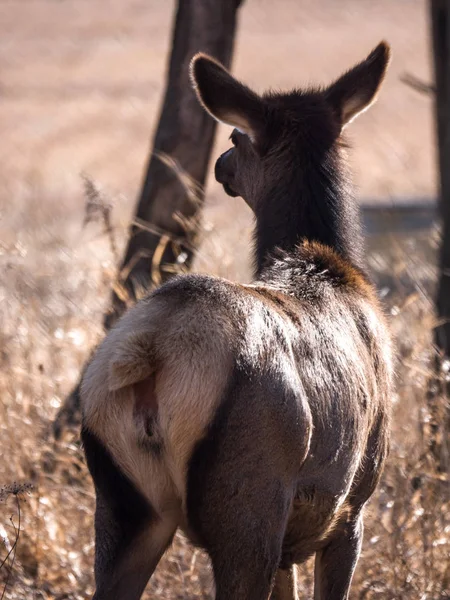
(163, 234)
(440, 22)
(438, 389)
(171, 197)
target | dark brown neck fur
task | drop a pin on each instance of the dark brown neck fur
(314, 203)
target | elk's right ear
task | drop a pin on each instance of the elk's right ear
(357, 89)
(225, 98)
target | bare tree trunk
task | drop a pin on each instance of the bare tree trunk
(163, 235)
(440, 22)
(185, 134)
(438, 388)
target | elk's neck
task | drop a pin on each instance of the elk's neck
(314, 204)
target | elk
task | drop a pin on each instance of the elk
(253, 417)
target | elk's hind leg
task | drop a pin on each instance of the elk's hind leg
(285, 586)
(129, 537)
(240, 523)
(336, 562)
(240, 486)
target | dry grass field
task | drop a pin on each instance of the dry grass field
(80, 86)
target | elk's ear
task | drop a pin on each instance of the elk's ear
(225, 98)
(357, 89)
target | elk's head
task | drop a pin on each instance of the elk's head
(279, 136)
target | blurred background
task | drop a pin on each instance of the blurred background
(81, 90)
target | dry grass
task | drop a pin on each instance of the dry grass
(80, 92)
(52, 318)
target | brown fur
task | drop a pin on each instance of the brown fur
(255, 417)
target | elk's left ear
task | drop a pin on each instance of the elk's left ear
(357, 89)
(225, 98)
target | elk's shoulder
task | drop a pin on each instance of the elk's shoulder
(314, 269)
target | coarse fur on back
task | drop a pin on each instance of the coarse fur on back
(254, 417)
